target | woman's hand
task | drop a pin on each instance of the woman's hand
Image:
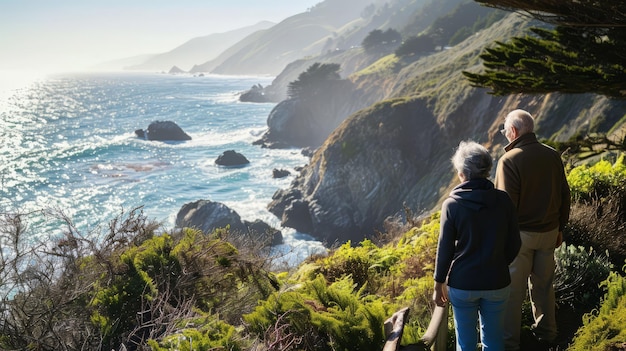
(440, 295)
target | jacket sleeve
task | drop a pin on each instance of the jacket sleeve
(446, 244)
(514, 242)
(507, 179)
(566, 199)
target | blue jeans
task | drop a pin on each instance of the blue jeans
(471, 306)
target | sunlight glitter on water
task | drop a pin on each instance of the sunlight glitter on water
(13, 80)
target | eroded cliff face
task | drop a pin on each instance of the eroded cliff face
(396, 153)
(381, 159)
(365, 168)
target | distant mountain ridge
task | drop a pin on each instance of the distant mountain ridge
(299, 36)
(197, 50)
(265, 48)
(119, 64)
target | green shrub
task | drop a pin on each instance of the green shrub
(320, 316)
(415, 275)
(168, 279)
(119, 298)
(200, 334)
(597, 181)
(598, 213)
(605, 329)
(399, 273)
(368, 265)
(578, 275)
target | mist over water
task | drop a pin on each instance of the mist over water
(68, 144)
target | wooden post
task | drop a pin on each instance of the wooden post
(436, 335)
(393, 329)
(435, 338)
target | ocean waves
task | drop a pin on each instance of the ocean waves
(68, 145)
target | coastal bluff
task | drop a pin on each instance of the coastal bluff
(378, 160)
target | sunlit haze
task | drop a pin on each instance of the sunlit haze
(62, 35)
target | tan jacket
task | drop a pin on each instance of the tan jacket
(532, 174)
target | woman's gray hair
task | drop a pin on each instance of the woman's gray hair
(472, 160)
(522, 120)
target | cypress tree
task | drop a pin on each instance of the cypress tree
(584, 51)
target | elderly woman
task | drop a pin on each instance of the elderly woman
(478, 239)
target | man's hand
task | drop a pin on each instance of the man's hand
(559, 240)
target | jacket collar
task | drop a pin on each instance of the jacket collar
(528, 138)
(475, 183)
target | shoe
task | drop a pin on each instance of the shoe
(544, 344)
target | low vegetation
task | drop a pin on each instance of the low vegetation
(603, 329)
(599, 207)
(126, 287)
(135, 288)
(381, 40)
(313, 80)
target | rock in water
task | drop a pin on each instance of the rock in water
(162, 131)
(231, 158)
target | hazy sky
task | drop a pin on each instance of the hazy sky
(69, 34)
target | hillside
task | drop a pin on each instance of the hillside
(301, 35)
(446, 21)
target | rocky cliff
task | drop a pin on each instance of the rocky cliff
(306, 122)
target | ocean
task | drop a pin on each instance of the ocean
(68, 144)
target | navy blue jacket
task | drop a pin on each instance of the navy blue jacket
(478, 239)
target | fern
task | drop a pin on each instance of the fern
(606, 328)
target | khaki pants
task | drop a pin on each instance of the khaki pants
(534, 266)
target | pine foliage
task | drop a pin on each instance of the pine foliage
(313, 79)
(584, 52)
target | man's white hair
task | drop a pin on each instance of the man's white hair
(522, 120)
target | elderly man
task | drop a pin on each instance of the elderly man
(533, 175)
